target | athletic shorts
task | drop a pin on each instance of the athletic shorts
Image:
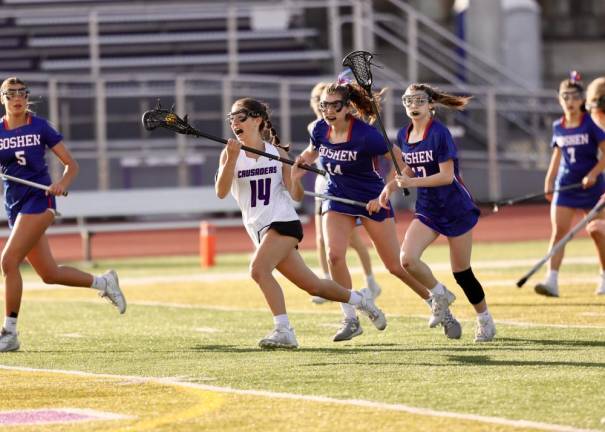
(450, 227)
(289, 229)
(36, 201)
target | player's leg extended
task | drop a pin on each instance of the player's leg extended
(417, 238)
(41, 259)
(384, 237)
(26, 232)
(337, 230)
(273, 248)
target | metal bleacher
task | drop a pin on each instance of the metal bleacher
(54, 36)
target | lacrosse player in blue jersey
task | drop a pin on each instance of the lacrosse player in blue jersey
(24, 139)
(356, 241)
(347, 148)
(576, 144)
(443, 205)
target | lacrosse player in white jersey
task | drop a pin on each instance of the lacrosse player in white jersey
(264, 189)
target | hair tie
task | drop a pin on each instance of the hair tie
(574, 77)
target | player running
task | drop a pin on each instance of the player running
(443, 205)
(347, 147)
(24, 138)
(263, 189)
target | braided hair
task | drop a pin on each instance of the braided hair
(256, 109)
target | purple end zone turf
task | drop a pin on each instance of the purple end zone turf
(44, 416)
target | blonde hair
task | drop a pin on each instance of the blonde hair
(16, 80)
(315, 97)
(12, 80)
(595, 94)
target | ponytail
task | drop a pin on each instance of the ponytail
(441, 98)
(358, 99)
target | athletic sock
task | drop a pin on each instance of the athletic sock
(437, 289)
(485, 314)
(281, 321)
(370, 280)
(552, 279)
(98, 283)
(10, 324)
(348, 311)
(355, 298)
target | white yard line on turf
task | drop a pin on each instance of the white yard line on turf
(126, 281)
(324, 400)
(324, 311)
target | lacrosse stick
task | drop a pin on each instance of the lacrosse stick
(333, 198)
(359, 62)
(511, 201)
(590, 216)
(27, 183)
(161, 118)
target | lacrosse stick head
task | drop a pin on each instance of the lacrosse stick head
(360, 64)
(167, 119)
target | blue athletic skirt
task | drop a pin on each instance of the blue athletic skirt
(579, 198)
(356, 211)
(451, 227)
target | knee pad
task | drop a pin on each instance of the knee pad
(470, 285)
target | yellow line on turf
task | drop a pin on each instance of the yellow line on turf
(207, 401)
(517, 423)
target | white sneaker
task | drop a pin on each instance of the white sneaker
(451, 327)
(113, 292)
(367, 307)
(8, 341)
(485, 329)
(547, 290)
(439, 306)
(318, 300)
(282, 337)
(350, 328)
(600, 289)
(375, 289)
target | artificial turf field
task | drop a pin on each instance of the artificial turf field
(184, 356)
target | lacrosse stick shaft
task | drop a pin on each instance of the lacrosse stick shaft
(27, 183)
(193, 131)
(383, 131)
(536, 195)
(333, 198)
(590, 216)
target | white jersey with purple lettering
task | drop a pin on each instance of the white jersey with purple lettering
(259, 189)
(579, 148)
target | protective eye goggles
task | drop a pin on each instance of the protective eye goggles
(336, 105)
(408, 101)
(20, 92)
(573, 96)
(599, 103)
(241, 115)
